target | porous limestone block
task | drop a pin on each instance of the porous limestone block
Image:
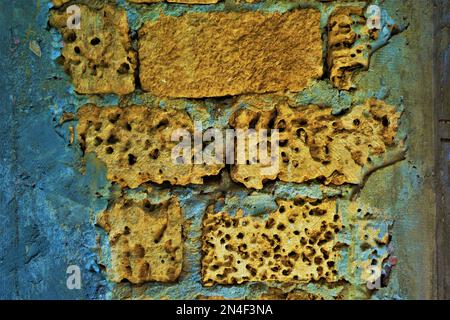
(98, 56)
(136, 144)
(297, 243)
(348, 50)
(145, 240)
(230, 53)
(315, 144)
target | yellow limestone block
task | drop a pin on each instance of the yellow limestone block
(314, 144)
(135, 144)
(98, 56)
(229, 53)
(344, 55)
(278, 294)
(372, 238)
(297, 243)
(59, 3)
(177, 1)
(145, 239)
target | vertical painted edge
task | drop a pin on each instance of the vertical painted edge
(442, 148)
(8, 205)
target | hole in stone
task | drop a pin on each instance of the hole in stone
(254, 121)
(131, 159)
(112, 139)
(95, 41)
(148, 206)
(301, 133)
(283, 143)
(281, 125)
(270, 223)
(124, 68)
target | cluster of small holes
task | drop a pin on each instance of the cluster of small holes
(99, 56)
(296, 243)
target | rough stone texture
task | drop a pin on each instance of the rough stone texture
(297, 243)
(314, 144)
(98, 56)
(278, 294)
(177, 1)
(135, 144)
(145, 239)
(347, 53)
(218, 54)
(372, 239)
(274, 294)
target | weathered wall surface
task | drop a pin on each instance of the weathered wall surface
(75, 191)
(442, 102)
